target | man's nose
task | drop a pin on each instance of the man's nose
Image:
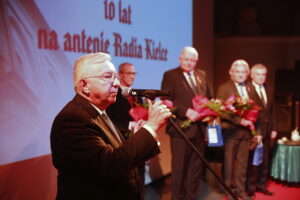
(116, 82)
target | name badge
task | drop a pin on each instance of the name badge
(214, 135)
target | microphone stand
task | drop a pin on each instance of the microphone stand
(184, 137)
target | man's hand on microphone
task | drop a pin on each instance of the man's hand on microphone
(157, 114)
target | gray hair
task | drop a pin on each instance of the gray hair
(258, 66)
(189, 50)
(84, 66)
(239, 62)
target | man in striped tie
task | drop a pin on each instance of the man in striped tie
(185, 82)
(258, 175)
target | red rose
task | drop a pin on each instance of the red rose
(230, 100)
(198, 102)
(205, 112)
(168, 103)
(251, 115)
(229, 107)
(138, 112)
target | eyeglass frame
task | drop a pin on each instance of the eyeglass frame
(113, 77)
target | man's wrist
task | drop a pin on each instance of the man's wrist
(152, 132)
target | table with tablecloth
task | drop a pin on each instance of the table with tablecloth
(285, 164)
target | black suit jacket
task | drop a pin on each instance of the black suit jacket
(91, 163)
(232, 125)
(267, 115)
(118, 112)
(182, 95)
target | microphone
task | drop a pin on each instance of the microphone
(149, 93)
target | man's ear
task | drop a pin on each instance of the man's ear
(84, 87)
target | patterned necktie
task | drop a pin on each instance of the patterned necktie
(261, 87)
(130, 100)
(192, 84)
(111, 126)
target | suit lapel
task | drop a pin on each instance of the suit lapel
(95, 118)
(258, 99)
(269, 95)
(107, 131)
(250, 90)
(235, 91)
(184, 82)
(201, 84)
(255, 96)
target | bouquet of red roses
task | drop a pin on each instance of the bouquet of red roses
(233, 105)
(207, 109)
(246, 109)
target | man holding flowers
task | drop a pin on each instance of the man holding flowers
(184, 83)
(237, 129)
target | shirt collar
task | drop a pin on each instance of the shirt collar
(257, 85)
(100, 111)
(190, 72)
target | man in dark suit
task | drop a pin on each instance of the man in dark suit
(92, 158)
(124, 122)
(258, 175)
(122, 105)
(236, 132)
(184, 83)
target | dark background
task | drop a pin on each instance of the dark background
(260, 20)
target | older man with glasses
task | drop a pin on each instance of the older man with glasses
(92, 158)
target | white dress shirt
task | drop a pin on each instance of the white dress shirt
(260, 89)
(242, 90)
(186, 75)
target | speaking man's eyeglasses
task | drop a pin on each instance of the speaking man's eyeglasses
(110, 78)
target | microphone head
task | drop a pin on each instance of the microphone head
(125, 91)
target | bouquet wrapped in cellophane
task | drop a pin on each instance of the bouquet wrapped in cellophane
(233, 105)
